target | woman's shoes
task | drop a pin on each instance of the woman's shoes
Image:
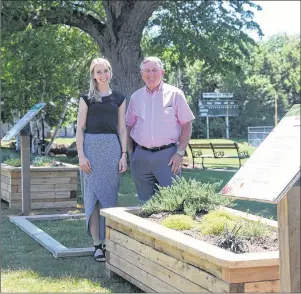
(101, 257)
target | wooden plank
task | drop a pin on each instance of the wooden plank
(47, 217)
(140, 275)
(13, 175)
(50, 188)
(5, 179)
(73, 252)
(154, 269)
(129, 278)
(252, 274)
(40, 195)
(189, 244)
(5, 195)
(41, 188)
(187, 271)
(53, 174)
(41, 181)
(265, 287)
(39, 205)
(25, 170)
(168, 249)
(67, 167)
(288, 210)
(40, 200)
(10, 188)
(37, 234)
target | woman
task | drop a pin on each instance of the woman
(101, 141)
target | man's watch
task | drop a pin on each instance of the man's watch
(181, 152)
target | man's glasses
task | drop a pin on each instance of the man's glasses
(149, 71)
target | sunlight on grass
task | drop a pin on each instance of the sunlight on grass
(30, 281)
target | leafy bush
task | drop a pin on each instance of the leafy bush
(13, 161)
(214, 222)
(254, 229)
(188, 196)
(42, 161)
(178, 222)
(35, 161)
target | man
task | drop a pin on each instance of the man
(158, 119)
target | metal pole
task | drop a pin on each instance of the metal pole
(25, 169)
(227, 126)
(207, 123)
(276, 109)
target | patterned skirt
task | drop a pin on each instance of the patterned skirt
(102, 184)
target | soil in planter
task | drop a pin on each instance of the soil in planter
(255, 244)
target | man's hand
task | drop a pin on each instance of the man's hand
(176, 162)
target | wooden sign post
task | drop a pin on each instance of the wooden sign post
(288, 212)
(272, 174)
(22, 127)
(25, 170)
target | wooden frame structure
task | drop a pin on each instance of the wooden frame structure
(159, 259)
(56, 248)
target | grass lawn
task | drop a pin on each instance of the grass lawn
(28, 267)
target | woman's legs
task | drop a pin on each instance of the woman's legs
(94, 224)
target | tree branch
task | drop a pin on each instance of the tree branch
(128, 15)
(72, 16)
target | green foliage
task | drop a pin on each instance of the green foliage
(189, 196)
(178, 222)
(49, 64)
(44, 161)
(254, 229)
(193, 29)
(35, 161)
(214, 222)
(13, 161)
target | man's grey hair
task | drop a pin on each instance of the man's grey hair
(149, 59)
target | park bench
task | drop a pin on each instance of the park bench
(216, 151)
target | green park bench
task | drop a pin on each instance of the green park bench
(216, 151)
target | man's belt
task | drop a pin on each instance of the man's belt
(157, 148)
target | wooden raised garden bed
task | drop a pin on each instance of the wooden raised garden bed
(159, 259)
(51, 187)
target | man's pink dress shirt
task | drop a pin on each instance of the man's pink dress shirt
(156, 118)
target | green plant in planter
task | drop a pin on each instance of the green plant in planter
(214, 222)
(230, 240)
(36, 161)
(178, 222)
(13, 161)
(188, 196)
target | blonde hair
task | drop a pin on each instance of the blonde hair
(149, 59)
(93, 93)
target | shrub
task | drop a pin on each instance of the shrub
(178, 222)
(13, 161)
(214, 222)
(188, 196)
(254, 229)
(35, 161)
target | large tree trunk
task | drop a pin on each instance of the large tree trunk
(121, 38)
(125, 59)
